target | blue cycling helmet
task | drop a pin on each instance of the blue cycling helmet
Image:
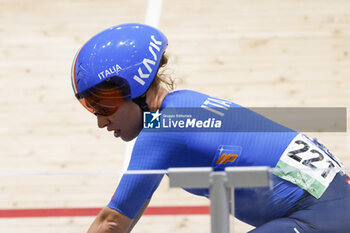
(131, 52)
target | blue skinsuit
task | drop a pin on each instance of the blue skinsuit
(161, 150)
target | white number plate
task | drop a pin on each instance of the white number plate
(308, 164)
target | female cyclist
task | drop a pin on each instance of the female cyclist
(115, 76)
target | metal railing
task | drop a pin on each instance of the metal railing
(220, 184)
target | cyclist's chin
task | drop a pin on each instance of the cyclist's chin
(126, 137)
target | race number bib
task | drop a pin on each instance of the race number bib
(308, 164)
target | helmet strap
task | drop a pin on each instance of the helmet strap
(141, 102)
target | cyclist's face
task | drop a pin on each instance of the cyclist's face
(126, 122)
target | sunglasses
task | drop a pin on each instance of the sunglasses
(104, 99)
